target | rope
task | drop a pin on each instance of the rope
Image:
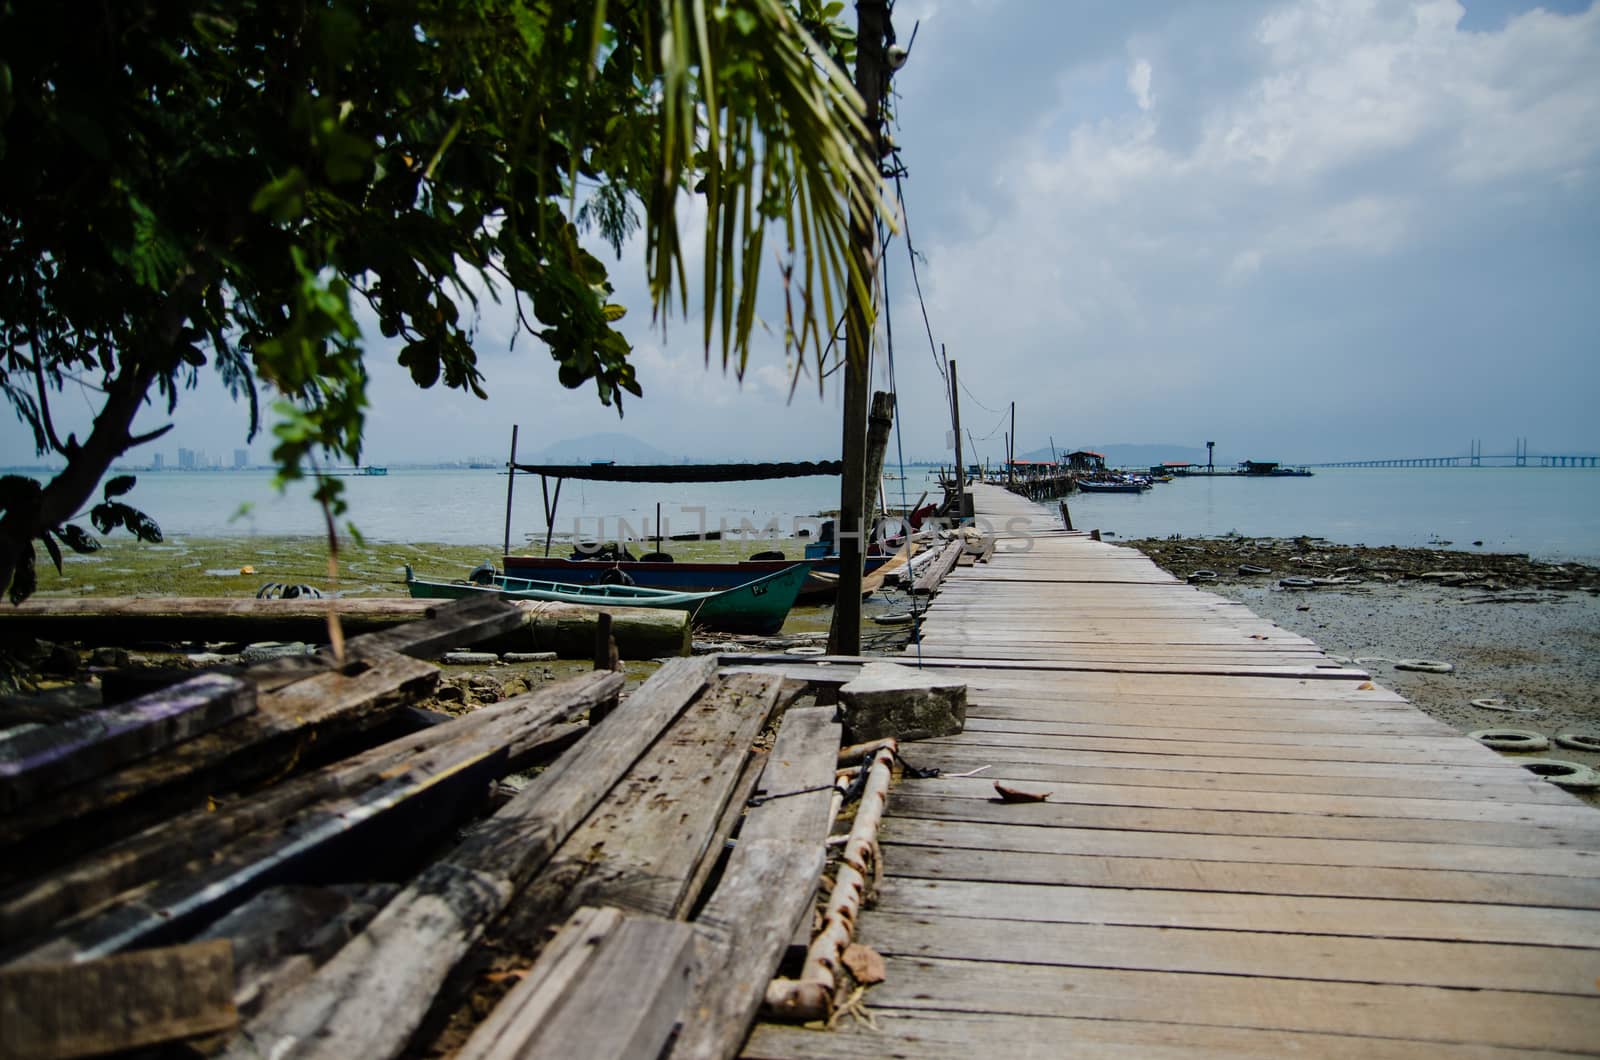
(899, 444)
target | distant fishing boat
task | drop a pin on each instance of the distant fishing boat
(759, 606)
(1087, 486)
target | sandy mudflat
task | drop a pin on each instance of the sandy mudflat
(1524, 633)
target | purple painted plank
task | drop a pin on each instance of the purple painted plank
(43, 760)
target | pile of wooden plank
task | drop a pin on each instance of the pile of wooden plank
(236, 861)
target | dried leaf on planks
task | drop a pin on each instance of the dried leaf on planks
(1013, 795)
(865, 963)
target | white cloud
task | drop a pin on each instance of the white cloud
(1139, 83)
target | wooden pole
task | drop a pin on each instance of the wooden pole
(1011, 448)
(511, 480)
(955, 423)
(872, 20)
(879, 423)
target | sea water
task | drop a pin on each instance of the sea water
(1549, 513)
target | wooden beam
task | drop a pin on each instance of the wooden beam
(83, 747)
(766, 891)
(568, 1005)
(403, 805)
(369, 999)
(125, 1002)
(521, 723)
(286, 722)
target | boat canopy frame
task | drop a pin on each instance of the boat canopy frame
(670, 473)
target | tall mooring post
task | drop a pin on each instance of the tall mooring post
(844, 638)
(961, 467)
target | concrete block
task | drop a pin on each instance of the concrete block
(887, 699)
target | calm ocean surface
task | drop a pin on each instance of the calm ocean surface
(1548, 513)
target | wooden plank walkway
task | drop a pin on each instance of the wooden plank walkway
(1247, 850)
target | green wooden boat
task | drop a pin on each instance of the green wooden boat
(758, 606)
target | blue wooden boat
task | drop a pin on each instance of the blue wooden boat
(757, 606)
(1088, 486)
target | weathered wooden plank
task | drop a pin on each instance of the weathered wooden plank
(1424, 751)
(1444, 783)
(1226, 770)
(1193, 729)
(1281, 955)
(115, 1004)
(416, 806)
(569, 630)
(1249, 823)
(83, 747)
(640, 849)
(517, 723)
(937, 569)
(804, 756)
(1111, 842)
(283, 933)
(1329, 672)
(1570, 814)
(766, 891)
(1494, 1017)
(740, 937)
(1242, 877)
(110, 620)
(965, 1035)
(258, 745)
(1311, 915)
(568, 1004)
(369, 999)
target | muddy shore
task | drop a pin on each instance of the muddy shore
(1522, 635)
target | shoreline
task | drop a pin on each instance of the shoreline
(1519, 631)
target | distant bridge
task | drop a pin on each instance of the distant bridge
(1477, 460)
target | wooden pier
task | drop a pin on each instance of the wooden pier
(1247, 849)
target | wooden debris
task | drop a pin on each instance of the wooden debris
(262, 744)
(282, 934)
(368, 1000)
(567, 1004)
(936, 570)
(810, 997)
(88, 745)
(118, 1003)
(570, 630)
(648, 842)
(116, 619)
(523, 723)
(766, 888)
(408, 804)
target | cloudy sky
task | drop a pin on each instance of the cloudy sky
(1307, 229)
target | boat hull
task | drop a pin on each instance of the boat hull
(679, 577)
(758, 606)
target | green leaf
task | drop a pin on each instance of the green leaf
(282, 199)
(422, 358)
(116, 487)
(24, 579)
(78, 539)
(106, 517)
(53, 548)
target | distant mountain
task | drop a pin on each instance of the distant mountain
(606, 445)
(1125, 455)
